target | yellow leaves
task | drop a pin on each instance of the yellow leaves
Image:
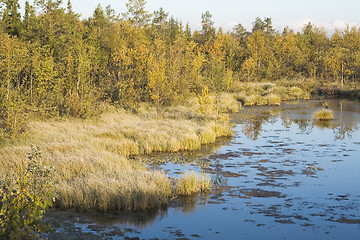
(249, 67)
(207, 107)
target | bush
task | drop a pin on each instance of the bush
(24, 200)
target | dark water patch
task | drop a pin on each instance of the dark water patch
(260, 193)
(285, 221)
(346, 220)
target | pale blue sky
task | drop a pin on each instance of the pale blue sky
(226, 13)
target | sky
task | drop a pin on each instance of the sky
(330, 14)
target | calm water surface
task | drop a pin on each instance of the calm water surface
(283, 176)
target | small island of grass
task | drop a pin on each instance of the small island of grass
(324, 115)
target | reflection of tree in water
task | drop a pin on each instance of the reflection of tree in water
(218, 178)
(343, 131)
(252, 128)
(287, 122)
(305, 126)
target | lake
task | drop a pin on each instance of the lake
(282, 176)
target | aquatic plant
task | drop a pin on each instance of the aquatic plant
(323, 115)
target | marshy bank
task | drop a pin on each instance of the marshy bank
(282, 175)
(93, 160)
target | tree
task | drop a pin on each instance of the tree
(11, 18)
(159, 21)
(137, 14)
(158, 81)
(240, 33)
(208, 30)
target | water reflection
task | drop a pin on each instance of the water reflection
(343, 126)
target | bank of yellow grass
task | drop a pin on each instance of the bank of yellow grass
(261, 94)
(93, 163)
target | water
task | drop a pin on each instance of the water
(283, 176)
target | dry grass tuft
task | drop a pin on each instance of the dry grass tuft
(324, 115)
(273, 99)
(191, 183)
(227, 103)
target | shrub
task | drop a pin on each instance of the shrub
(296, 93)
(24, 200)
(206, 104)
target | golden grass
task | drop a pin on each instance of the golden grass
(323, 115)
(227, 103)
(91, 158)
(273, 99)
(261, 94)
(191, 183)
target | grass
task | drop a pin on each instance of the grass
(262, 94)
(273, 99)
(191, 183)
(227, 103)
(323, 115)
(94, 167)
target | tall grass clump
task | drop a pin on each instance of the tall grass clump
(228, 104)
(273, 99)
(323, 115)
(191, 183)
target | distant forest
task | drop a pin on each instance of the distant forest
(53, 63)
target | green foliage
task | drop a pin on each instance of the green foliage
(24, 200)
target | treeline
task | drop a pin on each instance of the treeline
(54, 63)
